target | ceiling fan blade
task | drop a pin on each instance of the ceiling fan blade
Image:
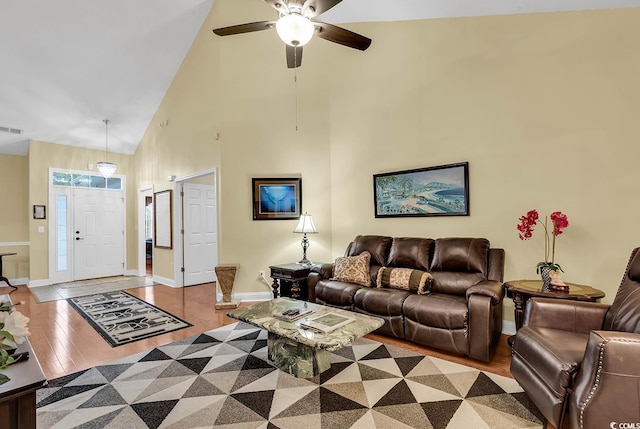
(244, 28)
(342, 36)
(312, 8)
(294, 56)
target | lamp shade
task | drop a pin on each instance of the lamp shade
(305, 225)
(294, 29)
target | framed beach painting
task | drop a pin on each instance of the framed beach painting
(430, 191)
(275, 199)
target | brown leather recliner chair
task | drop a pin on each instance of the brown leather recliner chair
(584, 357)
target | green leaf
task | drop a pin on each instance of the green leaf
(4, 379)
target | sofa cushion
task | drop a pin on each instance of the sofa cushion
(437, 310)
(406, 279)
(458, 264)
(410, 252)
(385, 302)
(353, 269)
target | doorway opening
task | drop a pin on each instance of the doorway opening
(196, 226)
(145, 231)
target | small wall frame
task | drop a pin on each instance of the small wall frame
(39, 212)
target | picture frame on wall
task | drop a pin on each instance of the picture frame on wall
(39, 212)
(276, 199)
(431, 191)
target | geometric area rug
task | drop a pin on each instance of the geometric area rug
(121, 318)
(222, 379)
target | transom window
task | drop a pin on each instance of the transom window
(79, 180)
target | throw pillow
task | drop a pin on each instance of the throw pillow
(353, 269)
(405, 279)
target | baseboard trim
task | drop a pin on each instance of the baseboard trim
(37, 283)
(16, 282)
(131, 273)
(248, 296)
(508, 327)
(165, 281)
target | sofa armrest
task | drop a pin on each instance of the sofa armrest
(492, 289)
(318, 272)
(606, 387)
(574, 316)
(325, 270)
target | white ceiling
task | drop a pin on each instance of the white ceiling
(68, 64)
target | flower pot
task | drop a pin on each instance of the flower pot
(547, 274)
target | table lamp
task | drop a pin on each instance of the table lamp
(305, 226)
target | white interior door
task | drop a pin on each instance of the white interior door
(98, 233)
(200, 233)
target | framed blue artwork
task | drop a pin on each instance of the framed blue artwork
(275, 199)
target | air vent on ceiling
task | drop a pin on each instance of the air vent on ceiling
(10, 130)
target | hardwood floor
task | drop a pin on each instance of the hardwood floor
(65, 343)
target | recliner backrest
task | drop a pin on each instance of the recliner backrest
(458, 264)
(410, 252)
(624, 313)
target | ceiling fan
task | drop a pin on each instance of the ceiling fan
(295, 27)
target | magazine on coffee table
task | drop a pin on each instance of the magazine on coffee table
(326, 322)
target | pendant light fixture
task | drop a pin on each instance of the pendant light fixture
(105, 167)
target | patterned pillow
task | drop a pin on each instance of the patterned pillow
(405, 279)
(353, 269)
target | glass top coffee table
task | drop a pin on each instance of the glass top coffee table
(295, 349)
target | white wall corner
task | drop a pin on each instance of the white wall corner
(508, 327)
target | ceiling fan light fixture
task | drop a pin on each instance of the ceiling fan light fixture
(294, 29)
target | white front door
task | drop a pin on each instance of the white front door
(200, 220)
(98, 233)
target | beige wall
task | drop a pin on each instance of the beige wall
(541, 105)
(15, 215)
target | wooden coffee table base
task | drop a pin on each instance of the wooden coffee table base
(297, 359)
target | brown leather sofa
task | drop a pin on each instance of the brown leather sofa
(463, 312)
(584, 357)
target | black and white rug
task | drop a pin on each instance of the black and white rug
(222, 379)
(121, 318)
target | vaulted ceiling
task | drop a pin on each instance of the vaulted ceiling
(66, 65)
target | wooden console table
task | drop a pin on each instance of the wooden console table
(18, 395)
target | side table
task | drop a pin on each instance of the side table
(521, 290)
(291, 279)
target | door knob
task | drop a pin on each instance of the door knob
(79, 238)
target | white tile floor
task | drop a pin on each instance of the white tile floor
(88, 287)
